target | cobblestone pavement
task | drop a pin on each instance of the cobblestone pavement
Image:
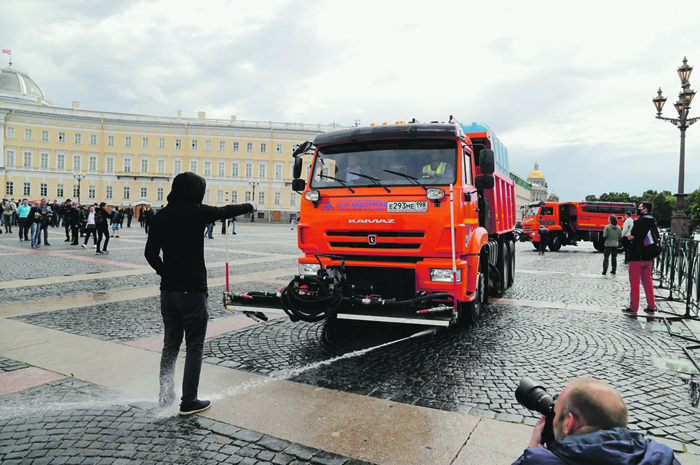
(473, 370)
(73, 422)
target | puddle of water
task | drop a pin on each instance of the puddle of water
(657, 328)
(678, 366)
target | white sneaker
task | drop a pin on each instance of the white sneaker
(94, 246)
(83, 246)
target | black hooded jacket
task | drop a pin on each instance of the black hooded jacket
(638, 252)
(177, 230)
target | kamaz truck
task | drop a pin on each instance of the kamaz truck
(400, 223)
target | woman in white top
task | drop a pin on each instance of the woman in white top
(90, 227)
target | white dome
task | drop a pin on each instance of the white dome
(16, 86)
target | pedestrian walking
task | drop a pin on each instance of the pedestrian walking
(101, 220)
(117, 220)
(46, 219)
(544, 239)
(73, 219)
(292, 222)
(8, 211)
(644, 248)
(147, 217)
(22, 212)
(611, 234)
(34, 223)
(209, 232)
(183, 285)
(65, 212)
(626, 230)
(90, 227)
(129, 215)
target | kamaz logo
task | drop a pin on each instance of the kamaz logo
(371, 221)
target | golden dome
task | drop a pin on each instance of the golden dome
(536, 173)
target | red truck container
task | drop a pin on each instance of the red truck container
(570, 222)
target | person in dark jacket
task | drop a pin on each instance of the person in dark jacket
(101, 220)
(641, 259)
(590, 426)
(544, 238)
(183, 282)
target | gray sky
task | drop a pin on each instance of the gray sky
(567, 84)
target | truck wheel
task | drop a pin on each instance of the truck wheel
(506, 269)
(474, 307)
(536, 245)
(511, 264)
(599, 246)
(555, 243)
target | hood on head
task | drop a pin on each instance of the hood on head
(187, 187)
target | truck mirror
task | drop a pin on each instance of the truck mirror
(487, 163)
(484, 181)
(298, 185)
(302, 149)
(298, 165)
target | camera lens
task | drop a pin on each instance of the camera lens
(533, 396)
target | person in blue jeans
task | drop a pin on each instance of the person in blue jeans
(34, 222)
(183, 282)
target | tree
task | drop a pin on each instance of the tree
(591, 198)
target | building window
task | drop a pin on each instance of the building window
(60, 161)
(10, 133)
(43, 189)
(222, 169)
(144, 165)
(178, 144)
(44, 136)
(127, 142)
(27, 134)
(234, 197)
(93, 139)
(59, 190)
(234, 169)
(161, 143)
(108, 192)
(127, 165)
(109, 165)
(61, 137)
(10, 158)
(177, 166)
(144, 142)
(126, 193)
(207, 168)
(194, 144)
(76, 163)
(160, 164)
(236, 147)
(27, 160)
(144, 192)
(110, 141)
(10, 188)
(77, 138)
(261, 198)
(293, 199)
(207, 145)
(92, 191)
(249, 147)
(249, 169)
(219, 196)
(222, 146)
(159, 194)
(278, 198)
(44, 160)
(27, 189)
(92, 163)
(263, 147)
(278, 170)
(193, 166)
(206, 196)
(75, 190)
(279, 149)
(262, 170)
(248, 196)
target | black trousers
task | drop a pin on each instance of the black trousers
(610, 252)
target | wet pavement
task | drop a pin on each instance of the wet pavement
(558, 322)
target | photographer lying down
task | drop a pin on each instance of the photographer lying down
(589, 423)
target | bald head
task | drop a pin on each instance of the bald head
(595, 403)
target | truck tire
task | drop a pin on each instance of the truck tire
(511, 246)
(555, 243)
(536, 245)
(599, 245)
(506, 265)
(474, 307)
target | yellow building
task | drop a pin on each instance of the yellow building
(132, 159)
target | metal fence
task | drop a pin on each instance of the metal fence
(678, 270)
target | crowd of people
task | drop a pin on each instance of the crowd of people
(79, 221)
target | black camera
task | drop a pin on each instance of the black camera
(531, 395)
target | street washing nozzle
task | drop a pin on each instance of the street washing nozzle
(425, 332)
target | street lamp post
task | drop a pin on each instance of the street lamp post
(79, 177)
(680, 222)
(254, 184)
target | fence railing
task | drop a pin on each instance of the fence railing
(678, 271)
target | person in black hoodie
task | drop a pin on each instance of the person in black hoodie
(641, 256)
(183, 282)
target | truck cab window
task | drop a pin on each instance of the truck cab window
(546, 211)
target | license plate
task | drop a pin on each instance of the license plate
(420, 206)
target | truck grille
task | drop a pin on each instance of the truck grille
(526, 227)
(360, 239)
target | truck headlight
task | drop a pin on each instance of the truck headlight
(312, 196)
(434, 193)
(309, 269)
(442, 275)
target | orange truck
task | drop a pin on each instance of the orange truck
(570, 222)
(401, 223)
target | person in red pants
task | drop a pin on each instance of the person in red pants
(641, 256)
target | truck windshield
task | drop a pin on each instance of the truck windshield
(391, 163)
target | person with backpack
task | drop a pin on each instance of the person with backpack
(644, 247)
(611, 234)
(544, 238)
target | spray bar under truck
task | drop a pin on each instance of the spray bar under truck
(404, 223)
